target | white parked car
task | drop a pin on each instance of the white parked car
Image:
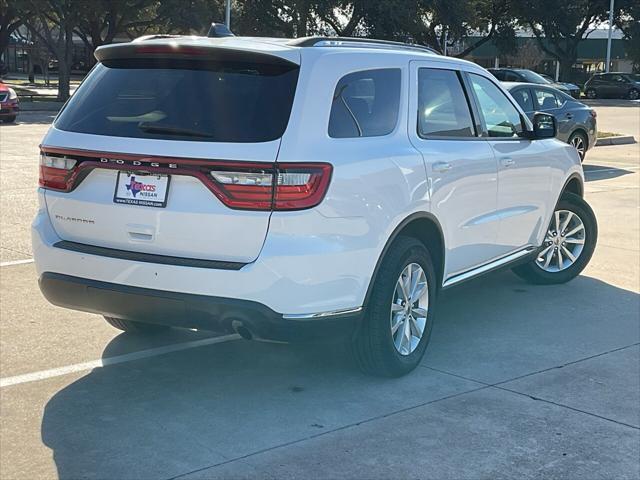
(298, 189)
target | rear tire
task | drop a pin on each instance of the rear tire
(634, 94)
(380, 350)
(134, 327)
(9, 119)
(580, 142)
(549, 267)
(591, 93)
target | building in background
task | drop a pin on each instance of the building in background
(592, 53)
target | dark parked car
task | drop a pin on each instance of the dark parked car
(529, 76)
(618, 85)
(576, 121)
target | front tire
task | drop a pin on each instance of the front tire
(134, 327)
(568, 246)
(591, 93)
(399, 315)
(634, 94)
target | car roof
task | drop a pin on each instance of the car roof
(285, 48)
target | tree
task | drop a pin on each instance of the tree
(628, 20)
(53, 22)
(10, 19)
(560, 26)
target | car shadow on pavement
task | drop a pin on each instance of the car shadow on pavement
(167, 415)
(603, 172)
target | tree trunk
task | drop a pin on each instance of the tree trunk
(64, 77)
(65, 58)
(565, 69)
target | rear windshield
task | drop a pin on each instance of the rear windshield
(183, 100)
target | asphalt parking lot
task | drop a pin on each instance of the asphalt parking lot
(520, 381)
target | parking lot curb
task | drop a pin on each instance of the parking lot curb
(617, 140)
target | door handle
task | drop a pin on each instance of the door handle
(507, 161)
(441, 166)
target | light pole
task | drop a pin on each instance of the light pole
(609, 37)
(227, 14)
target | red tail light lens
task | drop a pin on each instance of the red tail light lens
(301, 185)
(56, 172)
(247, 189)
(293, 186)
(594, 114)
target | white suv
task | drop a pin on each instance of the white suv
(298, 189)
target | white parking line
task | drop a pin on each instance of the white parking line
(103, 362)
(16, 262)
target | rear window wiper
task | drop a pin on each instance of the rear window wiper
(170, 130)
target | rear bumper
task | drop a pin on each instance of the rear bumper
(218, 314)
(300, 278)
(8, 110)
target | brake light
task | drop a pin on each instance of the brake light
(56, 172)
(301, 185)
(284, 187)
(594, 114)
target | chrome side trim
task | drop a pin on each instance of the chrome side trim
(487, 267)
(314, 316)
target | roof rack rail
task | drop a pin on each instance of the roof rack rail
(356, 42)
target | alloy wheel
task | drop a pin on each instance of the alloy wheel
(579, 145)
(633, 94)
(591, 93)
(563, 243)
(409, 309)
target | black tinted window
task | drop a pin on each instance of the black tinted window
(184, 100)
(365, 104)
(442, 105)
(523, 97)
(511, 77)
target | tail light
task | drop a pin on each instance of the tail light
(239, 185)
(594, 114)
(293, 186)
(56, 172)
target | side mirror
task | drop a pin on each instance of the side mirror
(544, 126)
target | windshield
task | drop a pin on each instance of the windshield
(184, 100)
(533, 77)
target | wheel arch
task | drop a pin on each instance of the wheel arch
(581, 129)
(427, 229)
(574, 184)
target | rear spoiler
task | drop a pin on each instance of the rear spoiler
(169, 48)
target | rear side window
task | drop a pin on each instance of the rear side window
(365, 104)
(182, 99)
(547, 100)
(443, 110)
(523, 97)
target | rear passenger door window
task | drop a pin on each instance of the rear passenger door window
(501, 118)
(547, 100)
(443, 108)
(366, 104)
(523, 97)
